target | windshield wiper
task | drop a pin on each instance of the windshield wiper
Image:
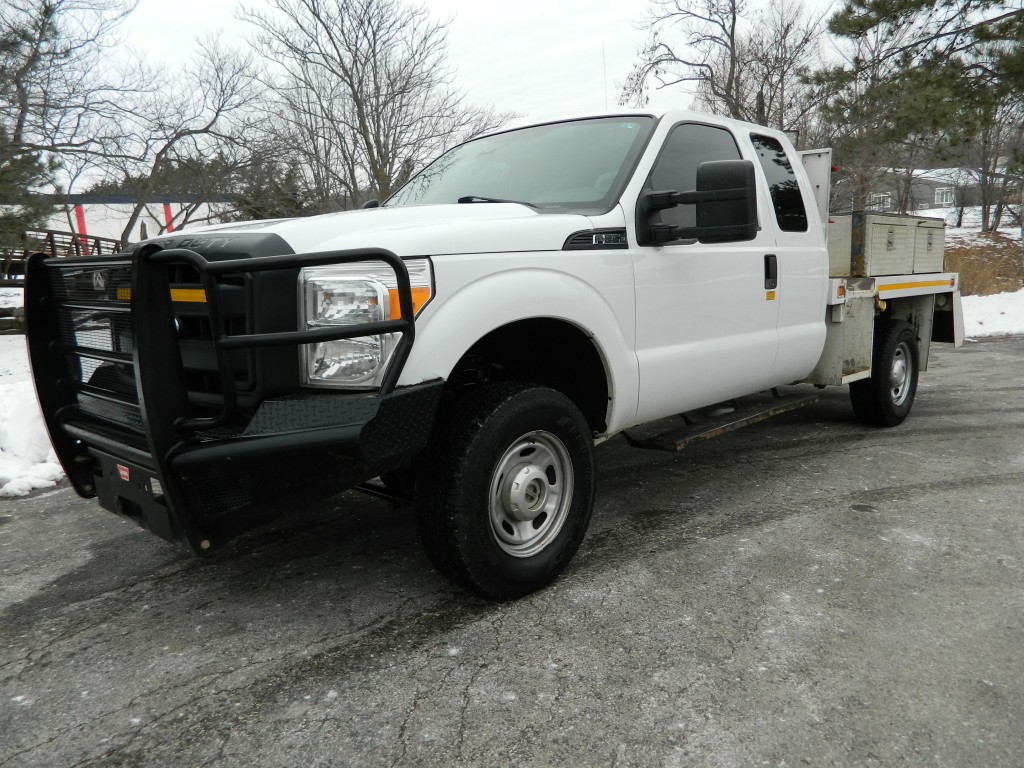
(480, 199)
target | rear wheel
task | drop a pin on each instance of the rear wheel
(506, 489)
(885, 399)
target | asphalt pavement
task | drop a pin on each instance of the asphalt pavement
(805, 592)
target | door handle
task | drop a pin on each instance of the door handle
(771, 272)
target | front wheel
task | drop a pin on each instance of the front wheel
(506, 489)
(885, 399)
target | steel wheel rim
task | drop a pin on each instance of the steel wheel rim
(530, 494)
(900, 374)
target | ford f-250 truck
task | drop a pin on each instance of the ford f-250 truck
(528, 295)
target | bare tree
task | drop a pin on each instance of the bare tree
(741, 62)
(99, 115)
(190, 136)
(54, 91)
(366, 95)
(709, 54)
(53, 97)
(995, 158)
(783, 46)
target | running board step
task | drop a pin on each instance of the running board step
(715, 420)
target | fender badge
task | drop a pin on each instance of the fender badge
(123, 472)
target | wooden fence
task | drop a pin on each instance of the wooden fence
(53, 243)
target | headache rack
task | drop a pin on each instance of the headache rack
(157, 361)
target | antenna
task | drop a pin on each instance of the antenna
(604, 68)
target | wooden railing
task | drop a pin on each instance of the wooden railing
(53, 243)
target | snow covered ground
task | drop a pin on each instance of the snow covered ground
(26, 459)
(998, 315)
(27, 462)
(969, 232)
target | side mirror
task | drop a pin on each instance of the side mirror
(371, 204)
(726, 201)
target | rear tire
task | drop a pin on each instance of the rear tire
(506, 489)
(886, 398)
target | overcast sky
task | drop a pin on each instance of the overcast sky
(538, 58)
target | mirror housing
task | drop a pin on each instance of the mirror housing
(726, 201)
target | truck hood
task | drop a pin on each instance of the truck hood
(427, 230)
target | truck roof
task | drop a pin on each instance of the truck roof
(669, 115)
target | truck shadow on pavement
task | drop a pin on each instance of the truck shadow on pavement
(355, 551)
(348, 576)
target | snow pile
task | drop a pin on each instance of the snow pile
(27, 461)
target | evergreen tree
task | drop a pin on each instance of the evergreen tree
(21, 205)
(269, 190)
(922, 79)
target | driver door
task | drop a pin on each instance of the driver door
(706, 318)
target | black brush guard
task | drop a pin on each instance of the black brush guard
(116, 385)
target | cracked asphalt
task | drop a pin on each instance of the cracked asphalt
(804, 592)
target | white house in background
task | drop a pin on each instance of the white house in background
(106, 215)
(937, 188)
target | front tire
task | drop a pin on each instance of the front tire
(506, 489)
(886, 398)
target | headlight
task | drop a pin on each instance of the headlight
(353, 294)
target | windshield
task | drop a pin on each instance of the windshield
(573, 166)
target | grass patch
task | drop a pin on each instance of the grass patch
(990, 263)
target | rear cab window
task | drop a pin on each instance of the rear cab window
(788, 202)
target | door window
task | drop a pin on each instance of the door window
(688, 146)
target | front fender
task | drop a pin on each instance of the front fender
(468, 306)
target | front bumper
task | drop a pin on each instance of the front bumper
(205, 494)
(199, 439)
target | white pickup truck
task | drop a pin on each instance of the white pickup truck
(528, 295)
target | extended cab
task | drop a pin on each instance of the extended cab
(528, 295)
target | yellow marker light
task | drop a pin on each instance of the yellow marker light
(190, 295)
(769, 296)
(420, 295)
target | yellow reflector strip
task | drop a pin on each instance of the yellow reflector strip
(192, 295)
(419, 298)
(905, 286)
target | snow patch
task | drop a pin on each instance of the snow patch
(999, 315)
(11, 297)
(27, 462)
